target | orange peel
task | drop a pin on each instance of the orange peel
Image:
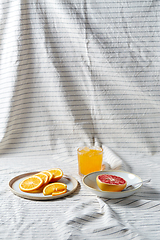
(31, 183)
(57, 174)
(56, 188)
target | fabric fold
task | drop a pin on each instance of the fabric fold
(92, 219)
(111, 160)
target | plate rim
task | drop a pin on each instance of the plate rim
(32, 197)
(104, 171)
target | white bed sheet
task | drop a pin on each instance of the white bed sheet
(73, 73)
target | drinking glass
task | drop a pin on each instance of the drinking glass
(89, 159)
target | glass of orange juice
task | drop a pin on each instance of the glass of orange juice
(89, 159)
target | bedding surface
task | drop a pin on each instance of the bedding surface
(76, 73)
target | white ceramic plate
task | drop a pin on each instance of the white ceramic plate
(90, 182)
(71, 183)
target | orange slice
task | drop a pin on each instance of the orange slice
(59, 192)
(43, 176)
(49, 174)
(31, 183)
(45, 179)
(39, 190)
(55, 188)
(57, 174)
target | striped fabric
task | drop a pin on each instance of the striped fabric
(73, 73)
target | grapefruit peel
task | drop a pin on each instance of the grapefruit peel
(110, 183)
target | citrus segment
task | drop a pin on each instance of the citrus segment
(59, 192)
(49, 174)
(30, 184)
(39, 190)
(54, 188)
(57, 174)
(110, 183)
(43, 176)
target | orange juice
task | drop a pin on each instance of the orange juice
(89, 159)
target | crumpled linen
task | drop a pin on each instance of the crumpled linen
(75, 73)
(72, 72)
(94, 219)
(81, 215)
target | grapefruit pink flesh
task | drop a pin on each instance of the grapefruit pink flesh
(110, 183)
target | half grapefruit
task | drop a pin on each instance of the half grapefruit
(110, 183)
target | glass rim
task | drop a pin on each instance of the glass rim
(90, 147)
